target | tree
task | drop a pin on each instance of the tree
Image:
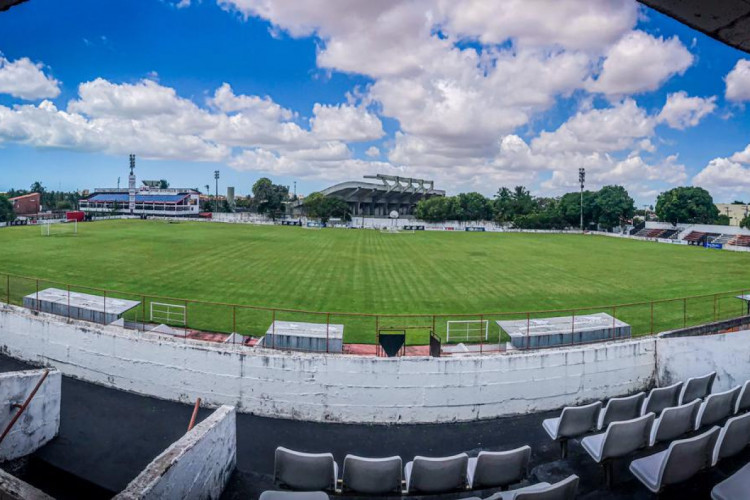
(6, 210)
(509, 204)
(163, 184)
(723, 220)
(37, 188)
(614, 206)
(692, 205)
(473, 206)
(325, 208)
(437, 209)
(745, 222)
(268, 198)
(570, 208)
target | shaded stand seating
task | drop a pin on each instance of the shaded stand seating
(681, 461)
(574, 421)
(436, 475)
(294, 495)
(660, 398)
(733, 438)
(305, 471)
(498, 469)
(372, 476)
(743, 400)
(619, 409)
(562, 490)
(735, 487)
(697, 388)
(717, 407)
(674, 422)
(620, 439)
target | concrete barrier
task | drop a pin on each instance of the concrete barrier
(329, 387)
(12, 488)
(679, 358)
(40, 421)
(197, 466)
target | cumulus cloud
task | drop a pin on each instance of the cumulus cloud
(681, 111)
(738, 82)
(727, 177)
(345, 122)
(639, 63)
(25, 79)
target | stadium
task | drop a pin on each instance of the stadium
(374, 339)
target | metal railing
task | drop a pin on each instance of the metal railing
(362, 330)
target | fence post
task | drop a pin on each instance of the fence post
(68, 302)
(328, 326)
(105, 308)
(528, 329)
(614, 321)
(715, 298)
(481, 338)
(143, 313)
(273, 328)
(377, 335)
(186, 319)
(573, 328)
(652, 317)
(684, 313)
(234, 323)
(7, 286)
(37, 296)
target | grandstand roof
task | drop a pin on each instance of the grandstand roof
(391, 189)
(727, 20)
(139, 198)
(7, 4)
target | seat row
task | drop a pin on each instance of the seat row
(294, 470)
(706, 409)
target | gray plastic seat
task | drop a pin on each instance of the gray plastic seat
(562, 490)
(675, 422)
(743, 400)
(697, 387)
(681, 461)
(497, 469)
(436, 475)
(733, 437)
(735, 487)
(574, 421)
(304, 471)
(660, 398)
(293, 495)
(717, 407)
(372, 476)
(620, 439)
(619, 409)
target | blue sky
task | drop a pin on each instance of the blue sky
(326, 92)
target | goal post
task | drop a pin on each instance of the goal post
(467, 330)
(59, 228)
(168, 314)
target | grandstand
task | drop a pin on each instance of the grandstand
(392, 193)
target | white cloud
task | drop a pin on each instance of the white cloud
(724, 179)
(738, 82)
(373, 152)
(346, 123)
(599, 130)
(26, 80)
(681, 111)
(639, 63)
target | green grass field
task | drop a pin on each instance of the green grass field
(364, 271)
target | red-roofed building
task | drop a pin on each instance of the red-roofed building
(28, 204)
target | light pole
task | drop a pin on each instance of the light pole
(582, 180)
(216, 198)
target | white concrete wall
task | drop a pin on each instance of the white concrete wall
(328, 387)
(679, 358)
(197, 466)
(40, 422)
(12, 488)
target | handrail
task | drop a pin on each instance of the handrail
(195, 414)
(23, 407)
(381, 315)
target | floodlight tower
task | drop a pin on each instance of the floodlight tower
(216, 198)
(131, 186)
(582, 180)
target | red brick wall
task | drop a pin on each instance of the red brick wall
(27, 205)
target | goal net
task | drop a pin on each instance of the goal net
(67, 228)
(467, 330)
(168, 314)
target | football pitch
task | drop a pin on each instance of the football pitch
(489, 276)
